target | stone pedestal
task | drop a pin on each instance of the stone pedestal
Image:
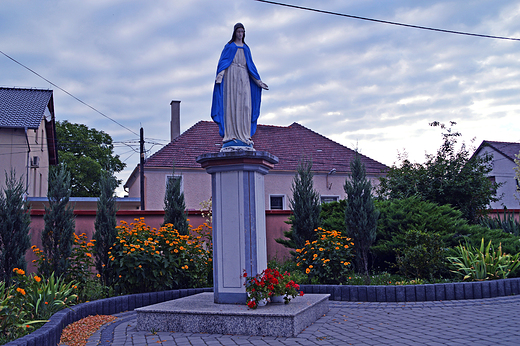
(198, 314)
(239, 238)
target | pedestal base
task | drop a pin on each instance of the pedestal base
(199, 314)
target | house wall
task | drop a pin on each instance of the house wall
(503, 171)
(13, 154)
(196, 185)
(16, 149)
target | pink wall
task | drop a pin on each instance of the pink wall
(493, 213)
(275, 225)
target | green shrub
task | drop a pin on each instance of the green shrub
(326, 260)
(333, 215)
(147, 260)
(30, 301)
(400, 215)
(422, 255)
(483, 263)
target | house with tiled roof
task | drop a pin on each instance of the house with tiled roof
(504, 155)
(331, 164)
(27, 137)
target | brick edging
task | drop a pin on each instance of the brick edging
(49, 334)
(418, 293)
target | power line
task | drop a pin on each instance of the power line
(389, 22)
(66, 92)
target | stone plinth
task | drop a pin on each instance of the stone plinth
(239, 240)
(199, 314)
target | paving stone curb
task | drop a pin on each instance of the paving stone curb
(50, 333)
(418, 293)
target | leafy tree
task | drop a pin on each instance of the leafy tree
(174, 205)
(449, 177)
(14, 227)
(306, 208)
(86, 152)
(57, 236)
(360, 213)
(105, 225)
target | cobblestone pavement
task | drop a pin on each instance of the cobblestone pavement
(494, 321)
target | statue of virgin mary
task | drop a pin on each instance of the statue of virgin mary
(237, 94)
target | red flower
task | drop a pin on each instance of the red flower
(301, 293)
(245, 274)
(251, 304)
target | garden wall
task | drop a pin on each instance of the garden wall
(275, 226)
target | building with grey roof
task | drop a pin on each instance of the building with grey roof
(27, 137)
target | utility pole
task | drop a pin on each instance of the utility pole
(141, 168)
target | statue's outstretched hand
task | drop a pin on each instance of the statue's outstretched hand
(219, 78)
(263, 85)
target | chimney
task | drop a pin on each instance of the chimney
(175, 123)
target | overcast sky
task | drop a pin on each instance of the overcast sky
(360, 83)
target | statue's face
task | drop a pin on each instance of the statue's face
(240, 34)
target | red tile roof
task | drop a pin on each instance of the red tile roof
(288, 143)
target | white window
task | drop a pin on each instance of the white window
(276, 202)
(328, 199)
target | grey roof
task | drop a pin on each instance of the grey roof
(508, 149)
(20, 108)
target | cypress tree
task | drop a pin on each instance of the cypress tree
(174, 205)
(360, 214)
(306, 208)
(57, 236)
(14, 227)
(105, 225)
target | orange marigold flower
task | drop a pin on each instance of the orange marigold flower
(20, 290)
(307, 270)
(98, 275)
(88, 254)
(37, 278)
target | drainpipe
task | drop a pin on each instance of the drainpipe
(28, 163)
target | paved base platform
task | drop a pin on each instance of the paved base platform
(199, 314)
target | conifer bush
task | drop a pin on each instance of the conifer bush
(14, 227)
(57, 236)
(175, 206)
(306, 208)
(360, 213)
(105, 225)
